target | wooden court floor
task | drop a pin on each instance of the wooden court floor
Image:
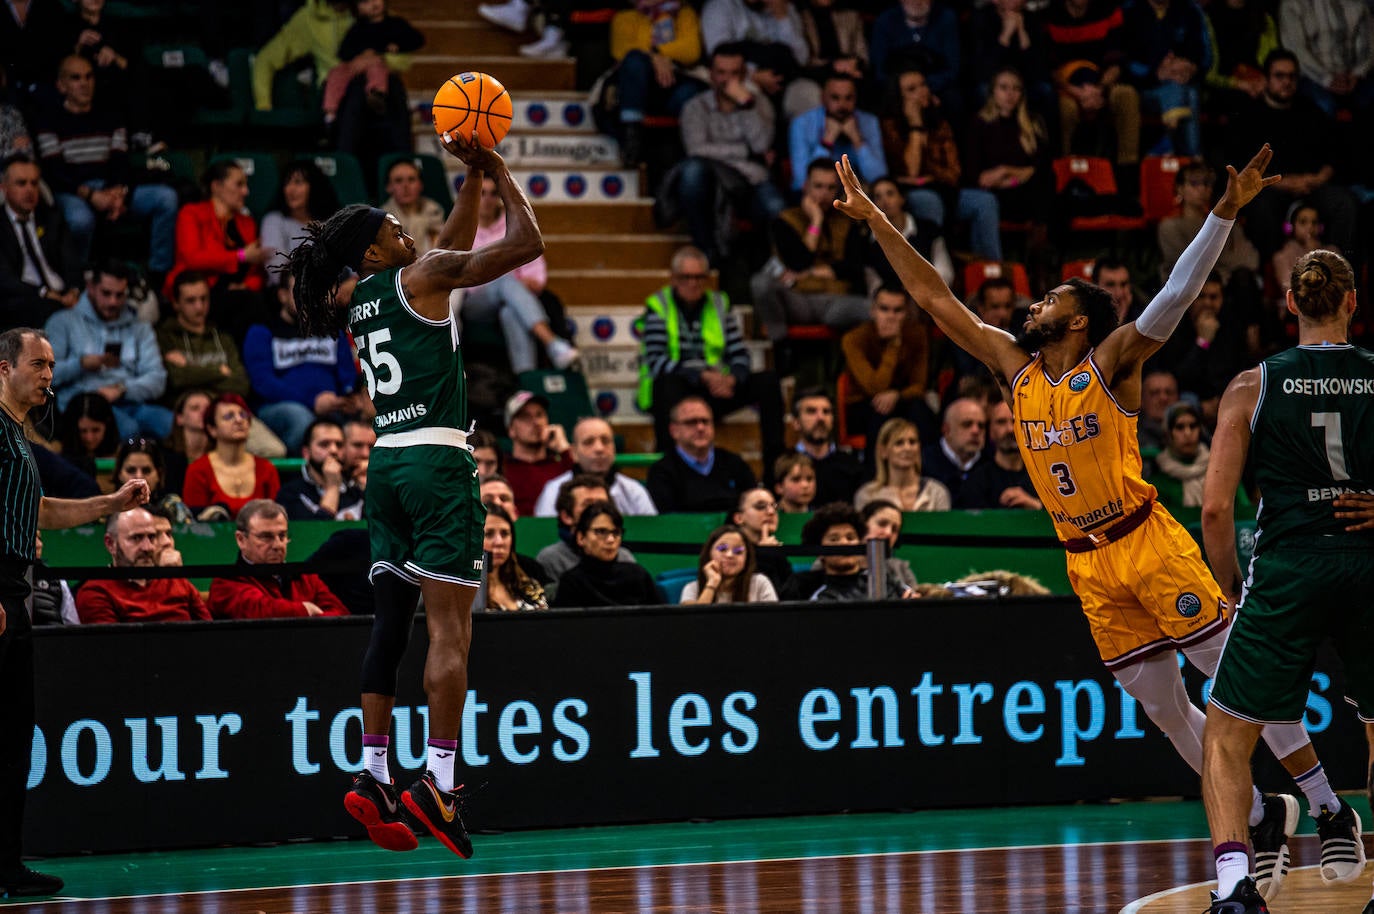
(1303, 893)
(1133, 858)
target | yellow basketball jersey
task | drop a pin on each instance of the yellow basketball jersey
(1079, 446)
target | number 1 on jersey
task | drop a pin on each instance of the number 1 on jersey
(370, 354)
(1330, 424)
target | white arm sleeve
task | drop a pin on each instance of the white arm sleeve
(1163, 313)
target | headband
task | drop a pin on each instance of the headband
(351, 247)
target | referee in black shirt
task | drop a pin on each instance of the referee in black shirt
(26, 366)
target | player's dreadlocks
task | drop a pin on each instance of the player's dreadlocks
(319, 262)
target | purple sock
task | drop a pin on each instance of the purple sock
(1233, 865)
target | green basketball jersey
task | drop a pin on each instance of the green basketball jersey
(1311, 440)
(412, 365)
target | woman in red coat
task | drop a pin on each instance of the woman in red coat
(227, 474)
(218, 237)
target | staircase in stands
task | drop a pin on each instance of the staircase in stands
(604, 252)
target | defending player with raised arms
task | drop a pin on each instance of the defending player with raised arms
(1073, 378)
(424, 515)
(1303, 420)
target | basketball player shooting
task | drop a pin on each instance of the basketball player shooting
(424, 516)
(1073, 379)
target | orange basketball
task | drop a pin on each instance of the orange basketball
(474, 106)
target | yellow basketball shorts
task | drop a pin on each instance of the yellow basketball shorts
(1147, 592)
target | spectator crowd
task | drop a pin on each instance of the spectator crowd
(180, 356)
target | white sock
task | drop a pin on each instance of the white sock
(1317, 789)
(1231, 869)
(1256, 807)
(440, 762)
(375, 752)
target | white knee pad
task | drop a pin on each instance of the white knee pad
(1285, 739)
(1157, 684)
(1206, 655)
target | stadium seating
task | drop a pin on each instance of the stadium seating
(1083, 269)
(432, 176)
(263, 178)
(859, 440)
(671, 582)
(976, 272)
(344, 173)
(819, 343)
(240, 64)
(1158, 200)
(1096, 173)
(177, 165)
(295, 100)
(567, 393)
(175, 56)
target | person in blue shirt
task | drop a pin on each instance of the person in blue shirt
(296, 378)
(837, 127)
(102, 347)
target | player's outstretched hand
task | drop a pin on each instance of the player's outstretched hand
(856, 204)
(1356, 507)
(1244, 185)
(472, 153)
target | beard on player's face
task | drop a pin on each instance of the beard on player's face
(1033, 339)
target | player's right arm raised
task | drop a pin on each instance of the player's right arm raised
(461, 226)
(992, 346)
(440, 271)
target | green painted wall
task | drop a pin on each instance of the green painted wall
(214, 543)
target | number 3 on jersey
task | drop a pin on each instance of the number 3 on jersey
(372, 356)
(1061, 472)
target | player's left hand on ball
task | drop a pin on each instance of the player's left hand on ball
(1356, 507)
(470, 152)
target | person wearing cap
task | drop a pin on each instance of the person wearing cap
(424, 517)
(539, 450)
